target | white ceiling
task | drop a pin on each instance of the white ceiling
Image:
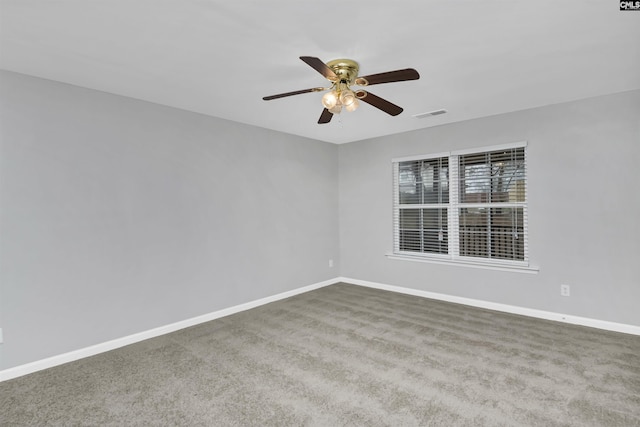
(215, 57)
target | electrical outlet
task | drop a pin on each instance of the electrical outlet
(565, 290)
(330, 263)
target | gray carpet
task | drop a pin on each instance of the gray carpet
(346, 355)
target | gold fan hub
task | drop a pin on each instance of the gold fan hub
(345, 69)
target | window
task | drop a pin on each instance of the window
(463, 206)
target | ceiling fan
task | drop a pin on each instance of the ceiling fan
(343, 73)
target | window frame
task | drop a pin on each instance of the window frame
(454, 206)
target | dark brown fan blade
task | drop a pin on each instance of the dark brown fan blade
(297, 92)
(319, 66)
(325, 117)
(379, 103)
(389, 77)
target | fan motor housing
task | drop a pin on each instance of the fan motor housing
(345, 69)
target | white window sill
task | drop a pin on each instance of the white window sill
(527, 269)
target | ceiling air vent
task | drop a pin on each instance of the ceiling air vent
(429, 114)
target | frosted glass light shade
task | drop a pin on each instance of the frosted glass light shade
(347, 98)
(352, 107)
(330, 100)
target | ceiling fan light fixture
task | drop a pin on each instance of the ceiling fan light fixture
(343, 73)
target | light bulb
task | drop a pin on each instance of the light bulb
(353, 106)
(347, 97)
(330, 99)
(336, 109)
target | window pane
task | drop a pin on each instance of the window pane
(423, 230)
(408, 183)
(507, 175)
(435, 180)
(507, 233)
(492, 233)
(410, 219)
(434, 226)
(473, 232)
(492, 177)
(424, 181)
(410, 230)
(410, 240)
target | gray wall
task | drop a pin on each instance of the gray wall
(119, 216)
(584, 209)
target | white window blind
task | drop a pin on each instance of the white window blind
(463, 205)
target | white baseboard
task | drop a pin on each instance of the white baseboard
(71, 356)
(540, 314)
